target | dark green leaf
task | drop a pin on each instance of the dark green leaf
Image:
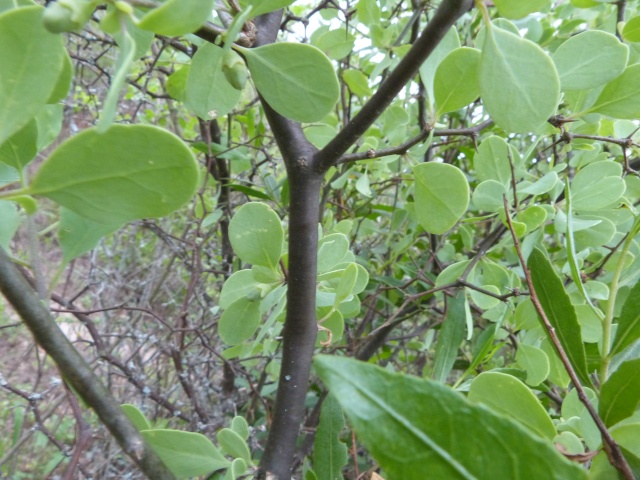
(620, 394)
(451, 335)
(628, 322)
(329, 453)
(78, 235)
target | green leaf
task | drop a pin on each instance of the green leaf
(516, 9)
(620, 394)
(331, 250)
(590, 59)
(240, 321)
(631, 30)
(519, 84)
(597, 185)
(452, 333)
(435, 429)
(620, 98)
(31, 61)
(492, 161)
(543, 185)
(347, 282)
(240, 426)
(177, 17)
(136, 417)
(265, 6)
(63, 84)
(329, 453)
(256, 235)
(535, 362)
(441, 196)
(428, 69)
(629, 322)
(208, 92)
(18, 150)
(177, 83)
(336, 44)
(559, 310)
(238, 285)
(488, 196)
(9, 222)
(297, 80)
(233, 444)
(78, 235)
(357, 82)
(186, 454)
(456, 82)
(126, 173)
(507, 395)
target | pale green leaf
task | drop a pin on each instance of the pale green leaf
(177, 17)
(9, 222)
(535, 362)
(597, 185)
(297, 80)
(492, 160)
(31, 61)
(78, 235)
(590, 59)
(631, 30)
(126, 173)
(256, 235)
(516, 9)
(233, 444)
(265, 6)
(331, 250)
(620, 98)
(186, 454)
(208, 92)
(329, 453)
(240, 284)
(240, 426)
(357, 82)
(507, 395)
(519, 84)
(543, 185)
(488, 196)
(336, 43)
(19, 149)
(456, 81)
(428, 69)
(136, 417)
(435, 429)
(441, 196)
(239, 321)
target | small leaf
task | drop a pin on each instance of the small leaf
(631, 30)
(535, 362)
(186, 454)
(238, 285)
(441, 196)
(208, 92)
(620, 394)
(177, 17)
(9, 224)
(516, 9)
(18, 150)
(435, 428)
(78, 235)
(239, 322)
(331, 250)
(240, 426)
(298, 81)
(590, 59)
(559, 310)
(357, 82)
(507, 395)
(136, 417)
(31, 61)
(629, 322)
(519, 84)
(126, 173)
(456, 81)
(256, 235)
(620, 98)
(347, 282)
(452, 333)
(329, 453)
(233, 444)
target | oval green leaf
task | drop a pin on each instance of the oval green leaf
(298, 81)
(456, 81)
(239, 322)
(519, 84)
(31, 62)
(177, 17)
(535, 362)
(441, 196)
(256, 235)
(620, 98)
(126, 173)
(590, 59)
(631, 30)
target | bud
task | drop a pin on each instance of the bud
(234, 70)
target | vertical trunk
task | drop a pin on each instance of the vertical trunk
(300, 328)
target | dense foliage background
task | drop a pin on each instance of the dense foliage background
(472, 190)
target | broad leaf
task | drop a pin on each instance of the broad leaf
(590, 59)
(456, 81)
(240, 321)
(126, 173)
(31, 61)
(19, 149)
(186, 454)
(208, 92)
(597, 185)
(256, 235)
(620, 394)
(535, 362)
(519, 84)
(78, 235)
(177, 17)
(297, 81)
(452, 333)
(435, 429)
(441, 196)
(507, 395)
(516, 9)
(620, 98)
(557, 306)
(329, 453)
(629, 322)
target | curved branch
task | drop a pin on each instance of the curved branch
(76, 371)
(446, 15)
